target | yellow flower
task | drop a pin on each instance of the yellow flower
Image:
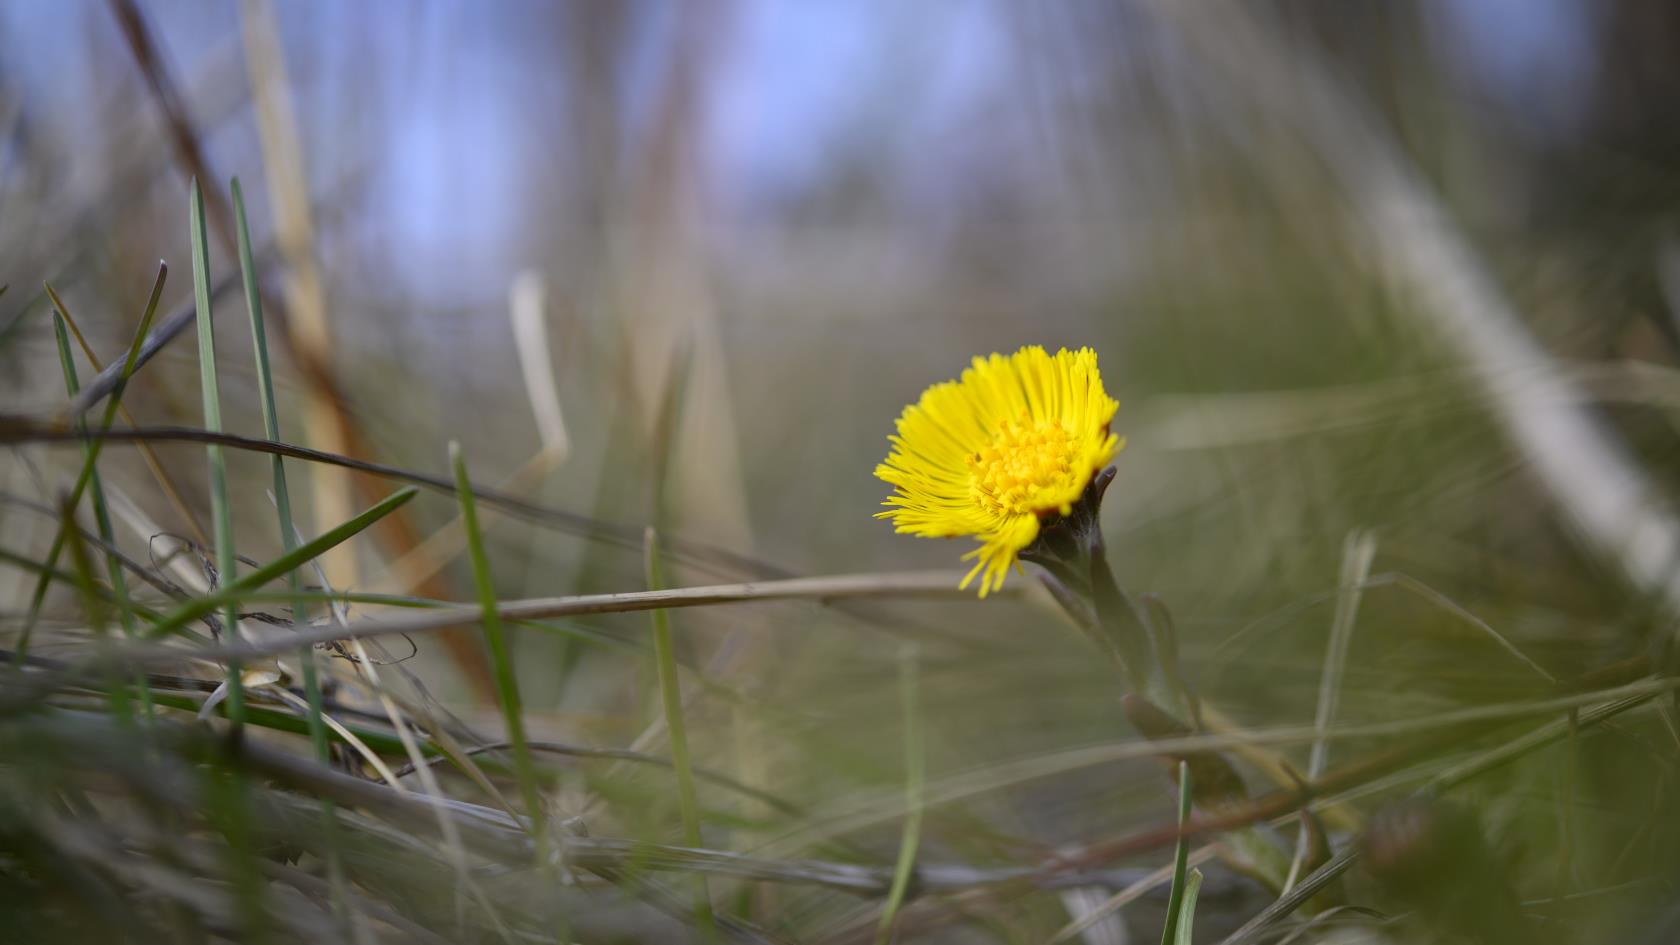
(1012, 443)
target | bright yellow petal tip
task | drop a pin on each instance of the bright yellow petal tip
(1016, 439)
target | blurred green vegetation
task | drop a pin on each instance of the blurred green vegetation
(756, 232)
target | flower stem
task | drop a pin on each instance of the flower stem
(1072, 552)
(1119, 625)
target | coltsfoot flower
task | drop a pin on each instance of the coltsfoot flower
(1009, 446)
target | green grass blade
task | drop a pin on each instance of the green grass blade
(93, 604)
(221, 513)
(1181, 860)
(227, 594)
(96, 490)
(228, 800)
(288, 535)
(277, 465)
(507, 683)
(670, 693)
(102, 518)
(915, 775)
(1187, 909)
(89, 458)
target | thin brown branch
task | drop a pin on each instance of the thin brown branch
(927, 584)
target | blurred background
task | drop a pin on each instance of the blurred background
(1402, 271)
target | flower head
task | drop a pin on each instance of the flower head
(1009, 445)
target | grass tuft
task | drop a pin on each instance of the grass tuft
(90, 459)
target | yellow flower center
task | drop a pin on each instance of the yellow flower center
(1026, 460)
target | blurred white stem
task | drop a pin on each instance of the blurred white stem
(526, 308)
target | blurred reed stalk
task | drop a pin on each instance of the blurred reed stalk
(309, 333)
